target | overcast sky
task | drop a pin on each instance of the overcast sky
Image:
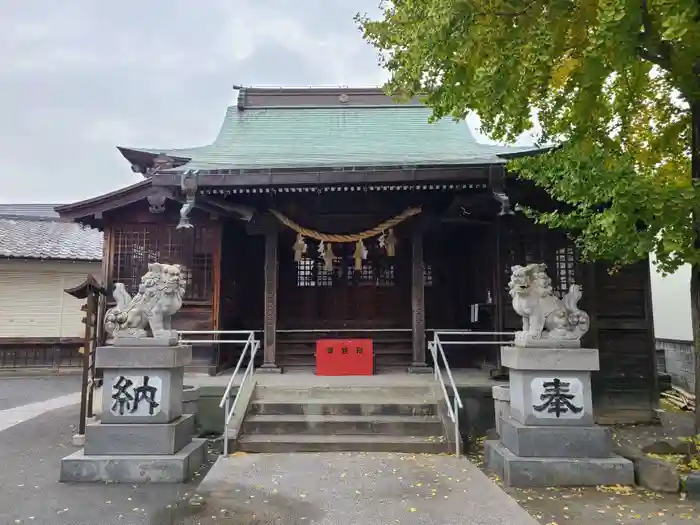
(80, 77)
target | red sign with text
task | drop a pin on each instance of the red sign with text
(344, 357)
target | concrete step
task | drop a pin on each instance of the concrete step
(345, 393)
(348, 425)
(331, 407)
(272, 443)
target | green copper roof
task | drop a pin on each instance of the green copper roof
(335, 137)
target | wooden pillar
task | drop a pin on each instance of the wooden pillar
(270, 319)
(90, 321)
(419, 364)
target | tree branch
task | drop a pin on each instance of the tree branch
(654, 58)
(652, 47)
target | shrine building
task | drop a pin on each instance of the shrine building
(320, 213)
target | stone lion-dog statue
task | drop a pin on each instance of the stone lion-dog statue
(159, 296)
(545, 316)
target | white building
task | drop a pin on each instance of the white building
(673, 323)
(40, 257)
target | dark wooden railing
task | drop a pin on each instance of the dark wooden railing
(53, 354)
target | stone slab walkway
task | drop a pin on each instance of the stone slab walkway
(352, 488)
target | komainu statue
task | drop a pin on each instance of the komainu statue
(159, 297)
(546, 318)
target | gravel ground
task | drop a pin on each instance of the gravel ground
(608, 505)
(352, 489)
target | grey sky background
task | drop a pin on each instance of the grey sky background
(80, 77)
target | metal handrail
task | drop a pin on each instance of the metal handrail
(438, 352)
(346, 329)
(435, 347)
(251, 347)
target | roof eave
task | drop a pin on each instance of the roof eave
(53, 259)
(81, 210)
(142, 160)
(477, 162)
(526, 152)
(332, 176)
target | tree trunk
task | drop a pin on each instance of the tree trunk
(695, 309)
(695, 272)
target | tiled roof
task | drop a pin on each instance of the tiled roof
(338, 136)
(29, 210)
(34, 231)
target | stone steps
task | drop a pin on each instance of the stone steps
(276, 443)
(342, 393)
(347, 425)
(342, 418)
(330, 407)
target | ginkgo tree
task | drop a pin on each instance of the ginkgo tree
(613, 86)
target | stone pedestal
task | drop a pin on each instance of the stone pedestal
(501, 404)
(547, 437)
(190, 402)
(144, 434)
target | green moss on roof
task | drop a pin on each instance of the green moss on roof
(323, 137)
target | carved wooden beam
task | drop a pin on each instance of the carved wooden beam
(466, 205)
(262, 223)
(497, 184)
(244, 213)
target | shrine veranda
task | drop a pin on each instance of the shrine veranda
(338, 213)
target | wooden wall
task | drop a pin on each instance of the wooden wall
(459, 262)
(242, 286)
(134, 236)
(624, 389)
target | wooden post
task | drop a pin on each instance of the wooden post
(87, 345)
(497, 295)
(419, 364)
(270, 320)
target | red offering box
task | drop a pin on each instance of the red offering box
(344, 357)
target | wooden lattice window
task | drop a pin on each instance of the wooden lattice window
(371, 274)
(325, 276)
(311, 272)
(137, 245)
(427, 274)
(565, 259)
(305, 273)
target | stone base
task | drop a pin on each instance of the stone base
(175, 468)
(268, 369)
(543, 358)
(190, 403)
(501, 404)
(420, 369)
(518, 471)
(525, 340)
(555, 442)
(138, 438)
(692, 486)
(135, 355)
(78, 440)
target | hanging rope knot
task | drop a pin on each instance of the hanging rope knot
(300, 248)
(385, 230)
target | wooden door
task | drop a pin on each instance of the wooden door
(342, 297)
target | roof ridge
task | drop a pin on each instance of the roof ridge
(333, 107)
(29, 218)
